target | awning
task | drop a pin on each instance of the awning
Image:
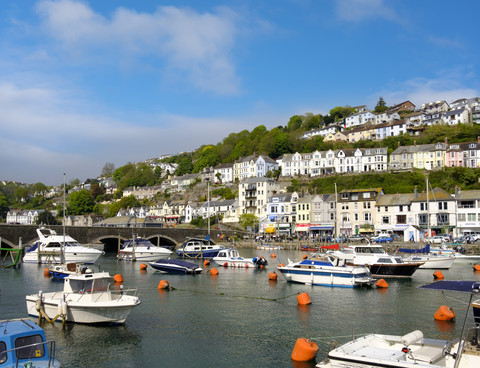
(366, 231)
(326, 227)
(270, 230)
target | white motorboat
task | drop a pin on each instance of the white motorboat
(50, 246)
(430, 260)
(199, 248)
(62, 270)
(326, 270)
(412, 350)
(269, 247)
(231, 258)
(86, 298)
(381, 264)
(140, 249)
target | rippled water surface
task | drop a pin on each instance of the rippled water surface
(236, 319)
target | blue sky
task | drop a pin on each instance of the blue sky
(88, 82)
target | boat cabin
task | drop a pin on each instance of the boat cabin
(22, 341)
(88, 283)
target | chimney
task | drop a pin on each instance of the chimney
(415, 192)
(457, 190)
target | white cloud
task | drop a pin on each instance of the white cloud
(360, 10)
(197, 45)
(449, 85)
(40, 140)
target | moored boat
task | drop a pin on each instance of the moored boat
(231, 258)
(54, 248)
(23, 344)
(140, 249)
(381, 264)
(175, 266)
(199, 248)
(326, 270)
(269, 247)
(86, 298)
(60, 271)
(430, 260)
(412, 350)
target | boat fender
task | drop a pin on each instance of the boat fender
(225, 264)
(304, 350)
(412, 337)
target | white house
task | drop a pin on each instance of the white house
(360, 118)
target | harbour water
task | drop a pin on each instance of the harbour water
(236, 319)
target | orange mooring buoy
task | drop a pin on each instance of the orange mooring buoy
(118, 278)
(206, 262)
(143, 267)
(163, 284)
(304, 299)
(305, 256)
(444, 313)
(273, 255)
(476, 267)
(272, 276)
(381, 284)
(304, 350)
(213, 271)
(281, 265)
(46, 272)
(438, 275)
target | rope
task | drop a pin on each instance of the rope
(234, 296)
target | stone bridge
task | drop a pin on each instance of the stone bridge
(12, 236)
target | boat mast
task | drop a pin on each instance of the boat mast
(336, 213)
(62, 249)
(428, 214)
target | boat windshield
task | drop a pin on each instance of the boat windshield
(29, 347)
(89, 286)
(370, 250)
(3, 354)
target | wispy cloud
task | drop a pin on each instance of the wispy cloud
(197, 46)
(448, 85)
(360, 10)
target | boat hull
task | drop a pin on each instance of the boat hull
(393, 270)
(79, 256)
(143, 256)
(208, 253)
(437, 263)
(113, 311)
(325, 277)
(178, 267)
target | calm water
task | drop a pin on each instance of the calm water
(235, 319)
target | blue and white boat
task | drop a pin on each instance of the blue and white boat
(175, 266)
(23, 344)
(326, 270)
(60, 271)
(199, 248)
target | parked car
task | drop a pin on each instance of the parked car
(437, 239)
(382, 239)
(396, 237)
(357, 238)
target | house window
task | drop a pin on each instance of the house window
(356, 216)
(423, 207)
(422, 219)
(401, 219)
(472, 217)
(442, 219)
(367, 216)
(385, 219)
(461, 217)
(442, 205)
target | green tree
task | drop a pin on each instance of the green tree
(294, 123)
(22, 194)
(248, 219)
(381, 105)
(80, 203)
(39, 189)
(46, 218)
(4, 206)
(341, 112)
(311, 121)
